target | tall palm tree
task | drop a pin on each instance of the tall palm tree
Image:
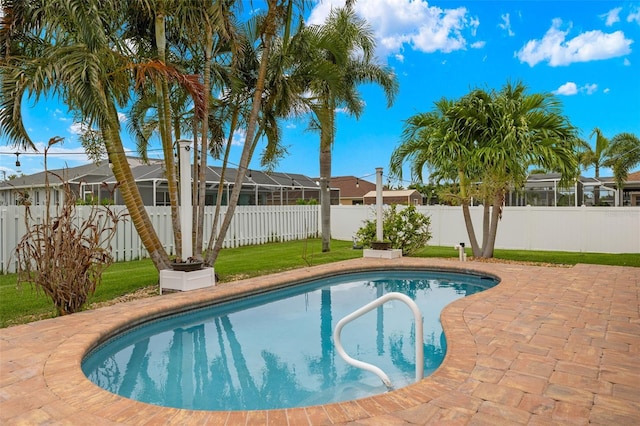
(279, 12)
(75, 49)
(345, 50)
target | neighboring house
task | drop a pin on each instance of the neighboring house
(352, 189)
(406, 197)
(630, 189)
(96, 183)
(546, 190)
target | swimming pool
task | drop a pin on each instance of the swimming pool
(275, 350)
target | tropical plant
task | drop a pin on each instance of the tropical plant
(625, 155)
(74, 49)
(344, 49)
(405, 229)
(595, 157)
(279, 15)
(486, 142)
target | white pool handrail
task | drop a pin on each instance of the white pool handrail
(368, 307)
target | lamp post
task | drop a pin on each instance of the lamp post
(186, 209)
(379, 236)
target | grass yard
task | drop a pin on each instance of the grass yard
(127, 280)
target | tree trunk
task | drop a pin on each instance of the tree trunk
(270, 30)
(131, 195)
(596, 189)
(164, 115)
(470, 231)
(496, 213)
(486, 222)
(205, 145)
(326, 140)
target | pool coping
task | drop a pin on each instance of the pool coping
(524, 351)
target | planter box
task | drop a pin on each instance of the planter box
(186, 267)
(380, 245)
(383, 254)
(185, 281)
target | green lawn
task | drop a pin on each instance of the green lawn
(20, 305)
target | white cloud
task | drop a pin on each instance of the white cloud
(239, 137)
(588, 46)
(399, 57)
(634, 16)
(626, 62)
(567, 89)
(607, 90)
(290, 126)
(612, 16)
(478, 44)
(413, 23)
(589, 88)
(78, 128)
(570, 88)
(506, 24)
(122, 117)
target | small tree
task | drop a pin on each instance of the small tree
(406, 229)
(63, 257)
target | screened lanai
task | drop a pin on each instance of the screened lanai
(96, 183)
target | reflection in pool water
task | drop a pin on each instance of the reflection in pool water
(276, 350)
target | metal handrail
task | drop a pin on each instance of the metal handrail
(368, 307)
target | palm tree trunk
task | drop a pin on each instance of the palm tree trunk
(486, 222)
(325, 177)
(205, 145)
(270, 30)
(466, 213)
(225, 161)
(164, 114)
(131, 195)
(496, 214)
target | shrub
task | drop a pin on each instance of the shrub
(406, 229)
(62, 256)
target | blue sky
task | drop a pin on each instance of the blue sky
(586, 52)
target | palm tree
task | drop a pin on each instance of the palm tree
(344, 49)
(491, 140)
(595, 157)
(279, 12)
(625, 155)
(76, 49)
(521, 130)
(439, 141)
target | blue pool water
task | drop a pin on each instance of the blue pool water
(276, 350)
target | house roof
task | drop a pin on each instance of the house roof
(102, 173)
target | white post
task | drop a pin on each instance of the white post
(186, 208)
(379, 236)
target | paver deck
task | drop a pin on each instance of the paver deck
(546, 346)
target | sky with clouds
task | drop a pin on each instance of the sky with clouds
(585, 52)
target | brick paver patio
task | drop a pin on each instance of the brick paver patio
(546, 346)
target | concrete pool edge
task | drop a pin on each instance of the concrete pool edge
(42, 380)
(65, 380)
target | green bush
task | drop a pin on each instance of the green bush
(406, 229)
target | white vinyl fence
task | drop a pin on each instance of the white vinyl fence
(250, 225)
(577, 229)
